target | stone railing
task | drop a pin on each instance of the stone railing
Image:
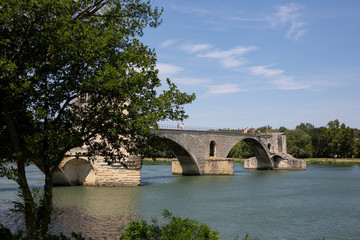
(208, 129)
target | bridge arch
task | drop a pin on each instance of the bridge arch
(185, 158)
(260, 151)
(75, 171)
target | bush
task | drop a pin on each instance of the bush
(176, 228)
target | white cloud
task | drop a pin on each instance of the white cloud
(166, 69)
(169, 43)
(289, 16)
(192, 10)
(288, 83)
(265, 71)
(277, 79)
(229, 58)
(236, 51)
(191, 81)
(224, 88)
(191, 48)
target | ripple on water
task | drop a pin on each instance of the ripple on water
(90, 224)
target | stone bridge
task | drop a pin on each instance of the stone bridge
(197, 153)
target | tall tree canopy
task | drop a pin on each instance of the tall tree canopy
(72, 71)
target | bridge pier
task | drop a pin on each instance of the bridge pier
(283, 162)
(211, 166)
(74, 171)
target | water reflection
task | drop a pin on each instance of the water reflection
(322, 201)
(94, 211)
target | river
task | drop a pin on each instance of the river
(323, 201)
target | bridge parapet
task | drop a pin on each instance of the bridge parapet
(210, 129)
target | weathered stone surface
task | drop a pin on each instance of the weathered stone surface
(282, 161)
(218, 166)
(118, 175)
(288, 162)
(193, 147)
(197, 153)
(81, 171)
(251, 163)
(176, 167)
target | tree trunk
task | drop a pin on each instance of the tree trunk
(28, 199)
(44, 214)
(29, 205)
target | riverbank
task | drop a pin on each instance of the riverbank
(351, 161)
(239, 160)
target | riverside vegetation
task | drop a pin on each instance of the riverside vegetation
(75, 71)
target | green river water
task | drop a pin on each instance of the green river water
(323, 201)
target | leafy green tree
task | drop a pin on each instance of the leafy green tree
(264, 128)
(156, 147)
(72, 72)
(298, 143)
(282, 129)
(341, 141)
(320, 142)
(241, 150)
(176, 228)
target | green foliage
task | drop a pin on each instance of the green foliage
(282, 129)
(241, 150)
(175, 228)
(265, 128)
(71, 72)
(298, 143)
(156, 147)
(341, 141)
(335, 140)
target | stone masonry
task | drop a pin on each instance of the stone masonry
(197, 153)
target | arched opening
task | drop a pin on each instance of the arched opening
(241, 150)
(276, 159)
(185, 160)
(269, 145)
(212, 149)
(75, 172)
(249, 148)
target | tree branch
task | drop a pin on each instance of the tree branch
(90, 10)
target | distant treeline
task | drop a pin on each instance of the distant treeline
(305, 141)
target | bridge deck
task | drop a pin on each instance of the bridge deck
(213, 130)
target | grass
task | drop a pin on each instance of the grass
(150, 161)
(332, 160)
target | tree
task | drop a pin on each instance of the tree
(282, 129)
(264, 128)
(157, 147)
(241, 150)
(320, 143)
(72, 72)
(298, 143)
(341, 141)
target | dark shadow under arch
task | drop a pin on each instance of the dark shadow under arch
(187, 162)
(260, 152)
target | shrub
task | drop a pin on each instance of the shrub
(175, 228)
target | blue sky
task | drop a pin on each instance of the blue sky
(253, 63)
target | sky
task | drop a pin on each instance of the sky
(253, 63)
